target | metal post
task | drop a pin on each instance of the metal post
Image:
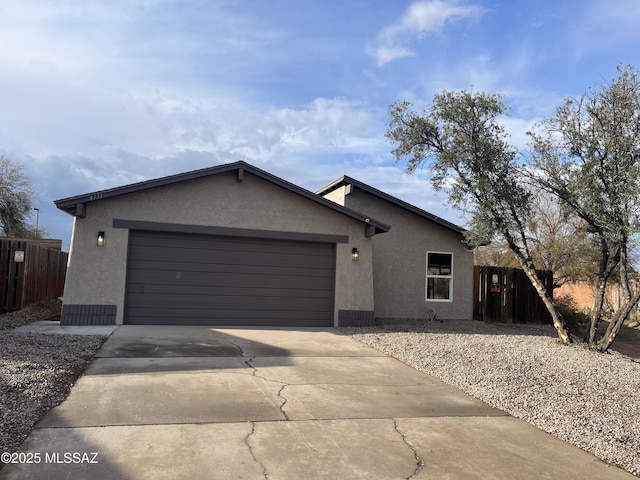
(37, 219)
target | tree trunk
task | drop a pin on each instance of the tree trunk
(630, 301)
(616, 323)
(532, 274)
(596, 311)
(607, 265)
(558, 321)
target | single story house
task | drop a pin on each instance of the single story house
(234, 245)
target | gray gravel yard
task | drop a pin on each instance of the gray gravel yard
(588, 399)
(36, 370)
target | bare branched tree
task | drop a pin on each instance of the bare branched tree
(16, 199)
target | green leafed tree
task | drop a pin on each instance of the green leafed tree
(588, 155)
(467, 150)
(16, 200)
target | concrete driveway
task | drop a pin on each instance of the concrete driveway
(203, 403)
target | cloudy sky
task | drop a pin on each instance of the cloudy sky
(101, 93)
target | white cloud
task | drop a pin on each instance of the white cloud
(114, 140)
(324, 125)
(421, 18)
(387, 54)
(427, 17)
(327, 123)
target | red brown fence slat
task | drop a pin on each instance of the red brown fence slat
(506, 295)
(39, 276)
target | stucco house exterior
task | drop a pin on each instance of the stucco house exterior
(421, 265)
(234, 245)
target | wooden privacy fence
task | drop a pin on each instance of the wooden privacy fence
(30, 271)
(506, 295)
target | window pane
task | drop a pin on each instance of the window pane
(439, 264)
(438, 288)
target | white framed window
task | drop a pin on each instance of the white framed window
(439, 277)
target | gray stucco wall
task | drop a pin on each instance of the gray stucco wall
(97, 275)
(399, 262)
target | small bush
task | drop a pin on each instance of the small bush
(575, 319)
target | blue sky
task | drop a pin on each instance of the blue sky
(96, 94)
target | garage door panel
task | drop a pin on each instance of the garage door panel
(220, 253)
(187, 260)
(313, 269)
(230, 244)
(231, 321)
(210, 280)
(225, 290)
(231, 280)
(227, 316)
(225, 245)
(282, 304)
(229, 313)
(187, 296)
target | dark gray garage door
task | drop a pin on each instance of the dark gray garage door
(187, 279)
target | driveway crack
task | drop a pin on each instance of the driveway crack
(419, 462)
(284, 401)
(248, 363)
(265, 474)
(238, 347)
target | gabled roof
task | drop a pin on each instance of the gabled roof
(76, 205)
(346, 180)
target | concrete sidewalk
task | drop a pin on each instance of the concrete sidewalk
(203, 403)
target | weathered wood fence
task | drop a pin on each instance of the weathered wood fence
(505, 295)
(30, 271)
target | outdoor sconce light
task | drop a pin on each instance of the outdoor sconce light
(100, 241)
(355, 255)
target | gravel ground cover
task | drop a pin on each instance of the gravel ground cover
(36, 370)
(46, 310)
(586, 398)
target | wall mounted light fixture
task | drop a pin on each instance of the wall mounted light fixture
(355, 255)
(100, 240)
